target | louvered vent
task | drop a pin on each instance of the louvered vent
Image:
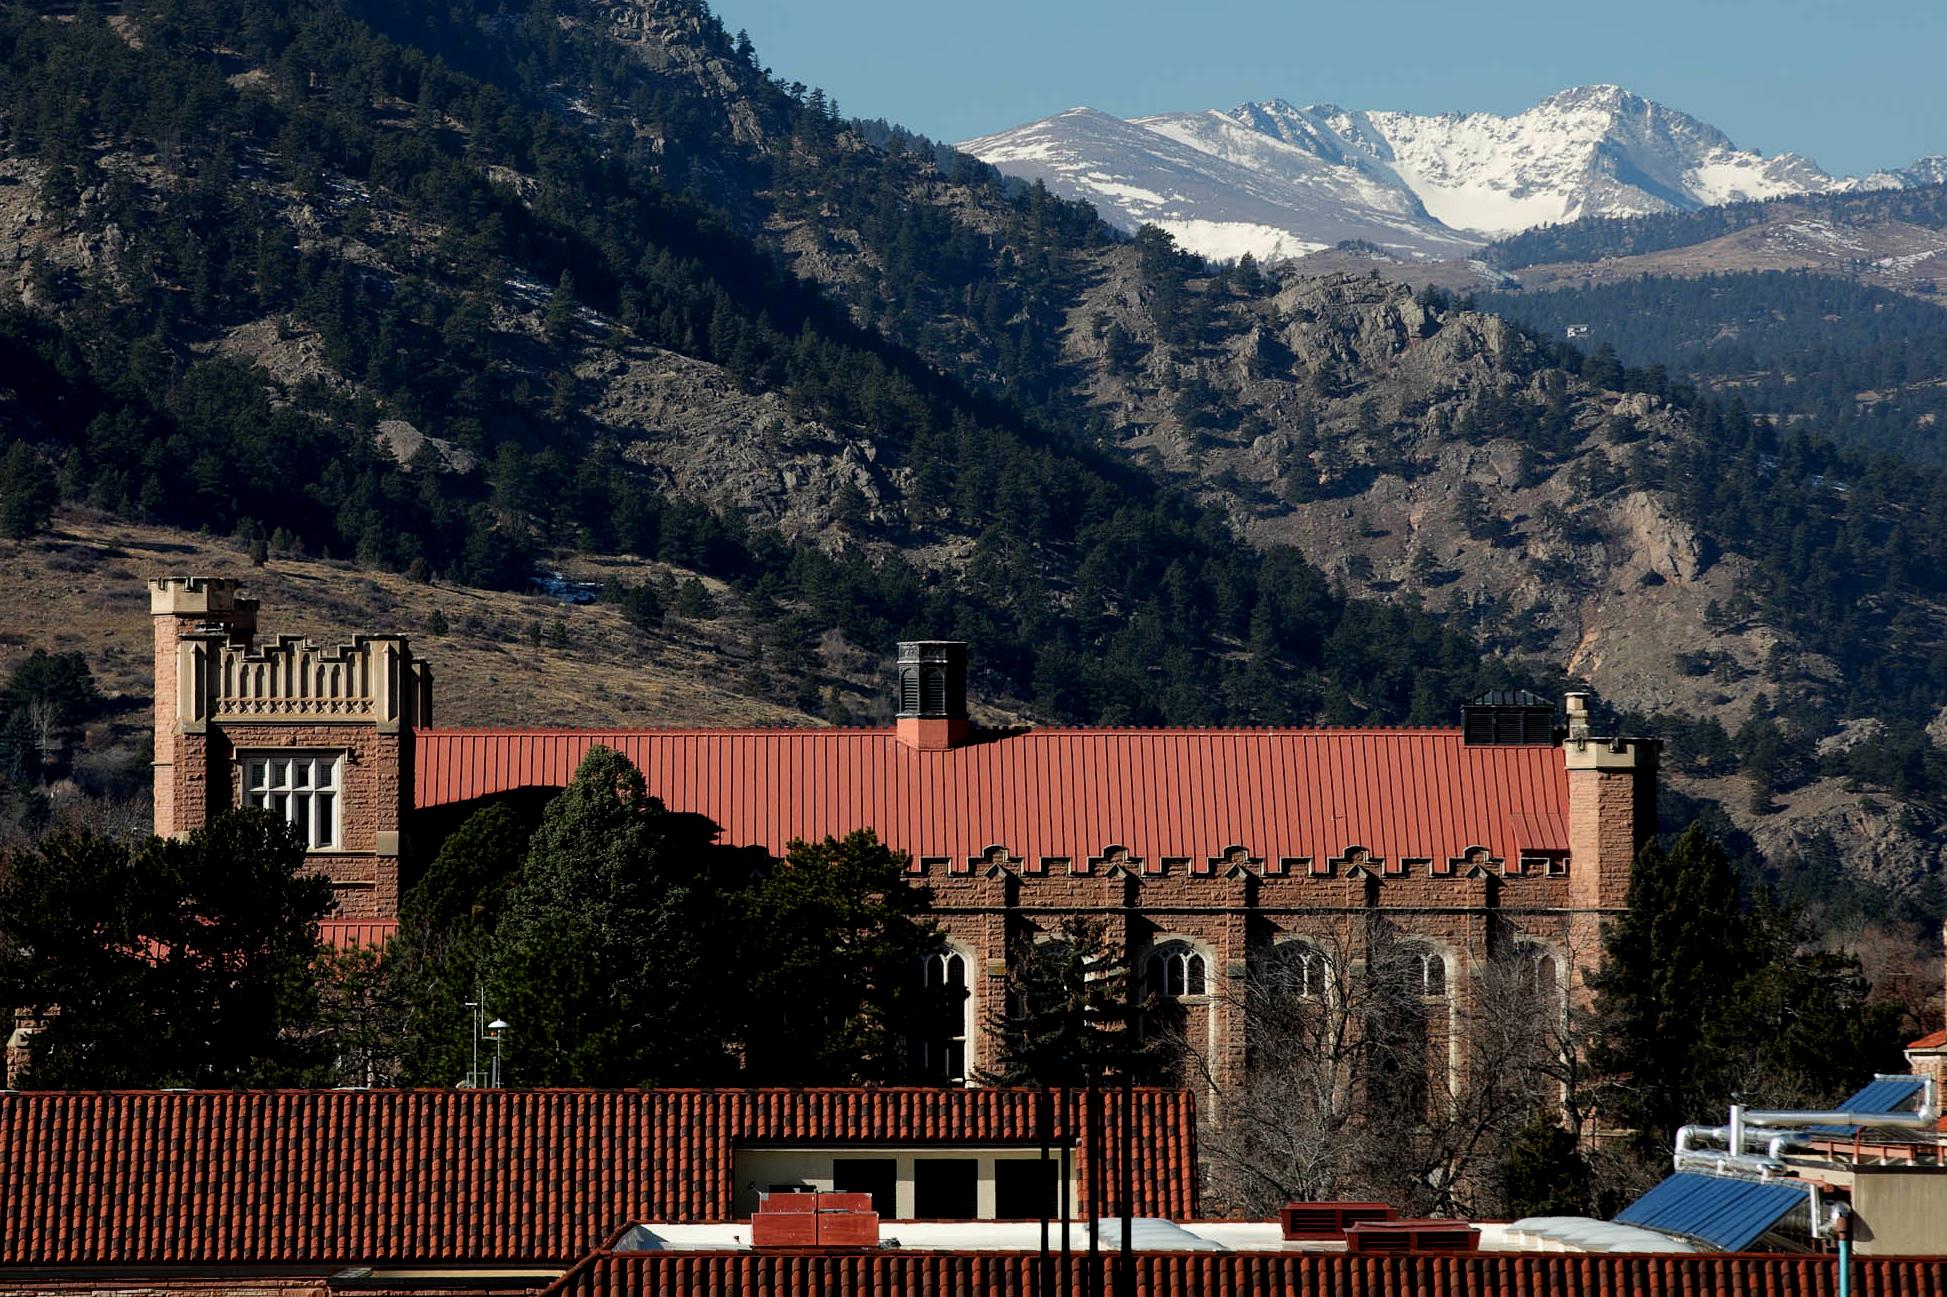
(1508, 716)
(933, 679)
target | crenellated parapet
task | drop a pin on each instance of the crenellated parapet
(373, 679)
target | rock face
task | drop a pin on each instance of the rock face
(671, 40)
(744, 452)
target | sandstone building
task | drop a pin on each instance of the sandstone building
(1219, 855)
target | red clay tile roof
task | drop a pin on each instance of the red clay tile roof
(1249, 1274)
(342, 1177)
(1932, 1040)
(1061, 794)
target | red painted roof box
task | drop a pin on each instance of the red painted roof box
(1370, 1237)
(1328, 1220)
(822, 1221)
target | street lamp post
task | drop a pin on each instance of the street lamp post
(495, 1030)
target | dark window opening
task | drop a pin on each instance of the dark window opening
(1023, 1190)
(943, 1049)
(946, 1188)
(878, 1176)
(1176, 970)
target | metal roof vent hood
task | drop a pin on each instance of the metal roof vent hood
(1509, 716)
(932, 694)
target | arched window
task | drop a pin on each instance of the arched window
(1175, 970)
(1537, 968)
(943, 1050)
(1299, 970)
(1423, 969)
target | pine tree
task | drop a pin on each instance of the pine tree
(1670, 963)
(439, 958)
(27, 492)
(1070, 1014)
(836, 937)
(607, 960)
(563, 309)
(1701, 1002)
(189, 961)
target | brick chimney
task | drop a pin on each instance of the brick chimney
(932, 694)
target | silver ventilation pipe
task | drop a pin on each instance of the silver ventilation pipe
(1927, 1114)
(1781, 1127)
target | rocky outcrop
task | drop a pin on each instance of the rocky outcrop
(710, 440)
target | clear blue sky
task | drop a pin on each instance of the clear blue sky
(1853, 84)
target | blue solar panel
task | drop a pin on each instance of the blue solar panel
(1887, 1094)
(1727, 1214)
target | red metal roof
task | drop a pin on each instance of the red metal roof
(1060, 793)
(340, 1177)
(351, 934)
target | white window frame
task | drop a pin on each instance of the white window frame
(1314, 961)
(1174, 967)
(304, 785)
(938, 969)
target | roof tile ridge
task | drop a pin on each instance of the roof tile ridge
(624, 731)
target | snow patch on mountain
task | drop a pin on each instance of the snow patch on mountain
(1270, 177)
(1223, 188)
(1229, 240)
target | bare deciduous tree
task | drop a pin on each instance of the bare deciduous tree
(1377, 1071)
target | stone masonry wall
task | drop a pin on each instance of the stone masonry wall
(364, 869)
(1230, 919)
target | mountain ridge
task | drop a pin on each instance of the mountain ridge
(1417, 184)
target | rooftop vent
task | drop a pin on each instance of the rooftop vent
(1508, 716)
(933, 679)
(932, 693)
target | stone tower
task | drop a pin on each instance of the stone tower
(320, 736)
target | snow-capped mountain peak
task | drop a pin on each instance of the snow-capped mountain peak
(1273, 178)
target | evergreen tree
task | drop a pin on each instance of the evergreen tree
(1671, 963)
(609, 958)
(1701, 1002)
(189, 961)
(1071, 1013)
(27, 492)
(438, 960)
(563, 310)
(1544, 1172)
(836, 937)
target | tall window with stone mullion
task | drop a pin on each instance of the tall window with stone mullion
(300, 787)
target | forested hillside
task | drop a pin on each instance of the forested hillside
(1626, 236)
(380, 226)
(456, 290)
(1860, 365)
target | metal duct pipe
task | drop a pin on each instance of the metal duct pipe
(1688, 1135)
(1721, 1163)
(1782, 1126)
(1928, 1114)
